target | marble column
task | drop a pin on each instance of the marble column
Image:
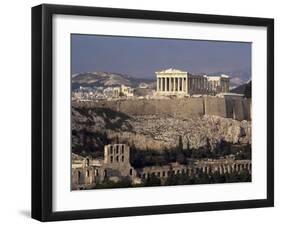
(166, 85)
(157, 84)
(181, 84)
(178, 84)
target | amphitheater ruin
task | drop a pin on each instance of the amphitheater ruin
(115, 166)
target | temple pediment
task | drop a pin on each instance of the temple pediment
(171, 70)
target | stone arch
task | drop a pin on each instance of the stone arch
(221, 171)
(250, 166)
(239, 167)
(79, 177)
(228, 169)
(111, 149)
(87, 161)
(96, 172)
(205, 169)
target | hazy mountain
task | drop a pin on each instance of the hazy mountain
(245, 89)
(105, 79)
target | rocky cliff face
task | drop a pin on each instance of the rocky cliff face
(97, 126)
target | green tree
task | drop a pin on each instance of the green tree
(152, 180)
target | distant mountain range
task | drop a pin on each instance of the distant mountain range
(105, 79)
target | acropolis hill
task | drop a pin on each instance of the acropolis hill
(185, 114)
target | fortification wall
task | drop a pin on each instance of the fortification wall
(215, 106)
(236, 108)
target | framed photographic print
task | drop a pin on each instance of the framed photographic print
(145, 112)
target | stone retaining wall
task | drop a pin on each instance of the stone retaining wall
(229, 107)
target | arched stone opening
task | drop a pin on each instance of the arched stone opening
(96, 172)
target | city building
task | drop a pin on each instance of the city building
(126, 91)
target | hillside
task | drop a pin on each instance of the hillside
(245, 89)
(105, 79)
(92, 128)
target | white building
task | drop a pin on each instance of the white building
(172, 82)
(181, 83)
(126, 91)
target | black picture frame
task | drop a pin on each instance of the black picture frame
(42, 107)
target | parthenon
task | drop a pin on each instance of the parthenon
(177, 82)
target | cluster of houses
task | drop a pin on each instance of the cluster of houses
(101, 93)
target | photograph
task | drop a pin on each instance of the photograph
(148, 111)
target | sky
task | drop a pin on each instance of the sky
(141, 57)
